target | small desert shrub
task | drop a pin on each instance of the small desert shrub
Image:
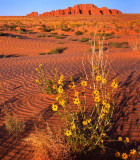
(29, 32)
(130, 27)
(5, 26)
(37, 36)
(18, 37)
(136, 30)
(70, 39)
(118, 45)
(79, 33)
(9, 27)
(118, 37)
(2, 34)
(22, 31)
(66, 29)
(57, 50)
(4, 56)
(43, 35)
(54, 34)
(60, 42)
(13, 27)
(92, 34)
(58, 37)
(46, 30)
(48, 145)
(62, 35)
(13, 125)
(41, 53)
(83, 39)
(135, 45)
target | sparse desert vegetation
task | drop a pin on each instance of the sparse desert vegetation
(87, 83)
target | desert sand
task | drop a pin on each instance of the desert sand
(20, 93)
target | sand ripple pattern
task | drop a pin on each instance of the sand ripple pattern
(19, 92)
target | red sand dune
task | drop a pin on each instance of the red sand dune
(20, 93)
(85, 9)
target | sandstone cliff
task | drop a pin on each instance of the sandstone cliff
(85, 9)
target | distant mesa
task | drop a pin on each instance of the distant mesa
(33, 14)
(85, 9)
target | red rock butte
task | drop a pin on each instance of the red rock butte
(85, 9)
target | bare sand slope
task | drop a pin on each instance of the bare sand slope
(19, 92)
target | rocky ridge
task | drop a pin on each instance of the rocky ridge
(85, 9)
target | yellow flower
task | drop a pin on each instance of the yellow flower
(98, 78)
(72, 85)
(89, 120)
(83, 83)
(40, 65)
(76, 101)
(102, 115)
(114, 85)
(124, 156)
(57, 98)
(68, 133)
(102, 141)
(107, 105)
(60, 81)
(114, 80)
(36, 69)
(62, 102)
(97, 99)
(127, 140)
(85, 123)
(119, 138)
(133, 152)
(54, 107)
(60, 89)
(37, 81)
(73, 126)
(117, 154)
(61, 77)
(104, 81)
(54, 86)
(95, 67)
(76, 94)
(96, 92)
(105, 111)
(104, 102)
(104, 134)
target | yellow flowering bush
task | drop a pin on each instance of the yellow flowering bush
(87, 126)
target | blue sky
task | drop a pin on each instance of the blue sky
(23, 7)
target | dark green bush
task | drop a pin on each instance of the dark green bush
(2, 34)
(66, 29)
(58, 37)
(53, 34)
(92, 34)
(22, 31)
(79, 33)
(57, 50)
(118, 45)
(83, 39)
(46, 30)
(136, 30)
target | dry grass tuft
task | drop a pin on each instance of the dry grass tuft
(135, 45)
(13, 125)
(49, 145)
